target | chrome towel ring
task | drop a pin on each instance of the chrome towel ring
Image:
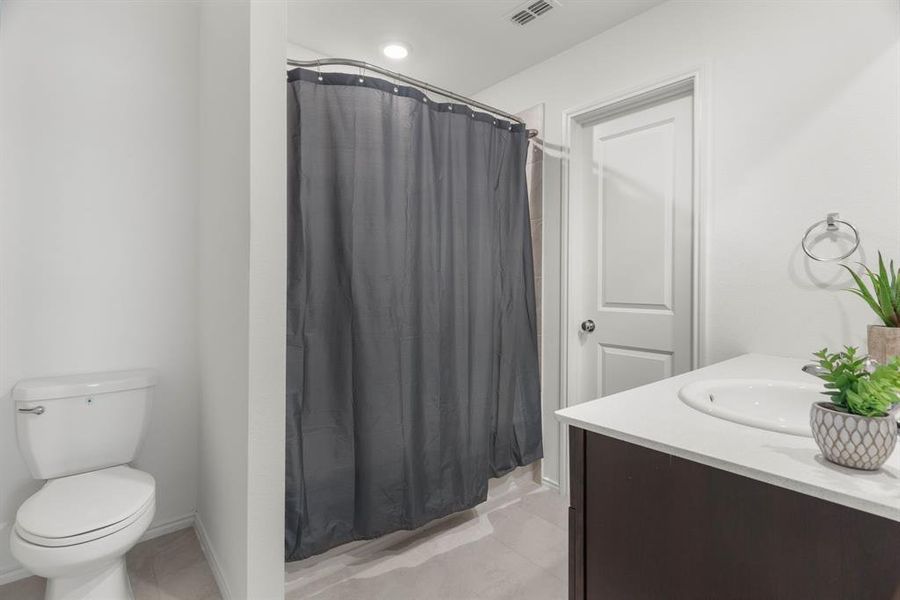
(831, 222)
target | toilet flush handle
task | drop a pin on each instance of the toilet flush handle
(37, 410)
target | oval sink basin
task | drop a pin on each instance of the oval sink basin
(781, 406)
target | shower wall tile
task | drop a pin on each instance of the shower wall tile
(536, 152)
(534, 180)
(537, 245)
(534, 119)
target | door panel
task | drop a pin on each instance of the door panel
(631, 240)
(635, 213)
(621, 369)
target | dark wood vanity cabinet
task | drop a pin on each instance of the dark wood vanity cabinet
(646, 524)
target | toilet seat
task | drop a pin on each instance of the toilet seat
(81, 508)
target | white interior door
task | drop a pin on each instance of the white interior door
(630, 250)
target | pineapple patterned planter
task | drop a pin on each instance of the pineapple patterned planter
(852, 440)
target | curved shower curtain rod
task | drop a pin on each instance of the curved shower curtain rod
(412, 81)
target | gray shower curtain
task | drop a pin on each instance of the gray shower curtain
(412, 361)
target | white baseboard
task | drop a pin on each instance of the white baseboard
(13, 575)
(211, 558)
(550, 483)
(170, 526)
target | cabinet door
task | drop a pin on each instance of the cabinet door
(576, 513)
(658, 526)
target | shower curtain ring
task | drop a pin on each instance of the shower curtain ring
(319, 70)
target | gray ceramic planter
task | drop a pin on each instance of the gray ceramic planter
(851, 440)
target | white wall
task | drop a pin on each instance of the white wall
(803, 115)
(142, 200)
(241, 248)
(268, 300)
(298, 52)
(98, 113)
(222, 245)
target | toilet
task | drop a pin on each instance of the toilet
(80, 433)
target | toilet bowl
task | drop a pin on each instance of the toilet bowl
(79, 433)
(76, 530)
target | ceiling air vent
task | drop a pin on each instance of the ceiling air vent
(527, 13)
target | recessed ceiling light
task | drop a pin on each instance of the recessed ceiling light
(395, 50)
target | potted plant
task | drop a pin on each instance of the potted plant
(856, 428)
(884, 298)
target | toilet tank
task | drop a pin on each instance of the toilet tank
(79, 423)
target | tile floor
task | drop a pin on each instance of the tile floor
(514, 546)
(511, 547)
(170, 567)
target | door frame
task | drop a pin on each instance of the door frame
(574, 122)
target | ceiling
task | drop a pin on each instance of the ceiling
(461, 45)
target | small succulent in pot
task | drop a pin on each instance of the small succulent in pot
(884, 300)
(856, 428)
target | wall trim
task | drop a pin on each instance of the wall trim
(14, 575)
(211, 558)
(697, 80)
(170, 526)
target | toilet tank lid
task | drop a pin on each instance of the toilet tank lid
(85, 384)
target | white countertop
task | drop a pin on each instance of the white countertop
(654, 417)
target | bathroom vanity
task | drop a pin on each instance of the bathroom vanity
(671, 501)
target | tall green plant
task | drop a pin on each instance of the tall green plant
(884, 298)
(856, 389)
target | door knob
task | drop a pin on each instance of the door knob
(588, 326)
